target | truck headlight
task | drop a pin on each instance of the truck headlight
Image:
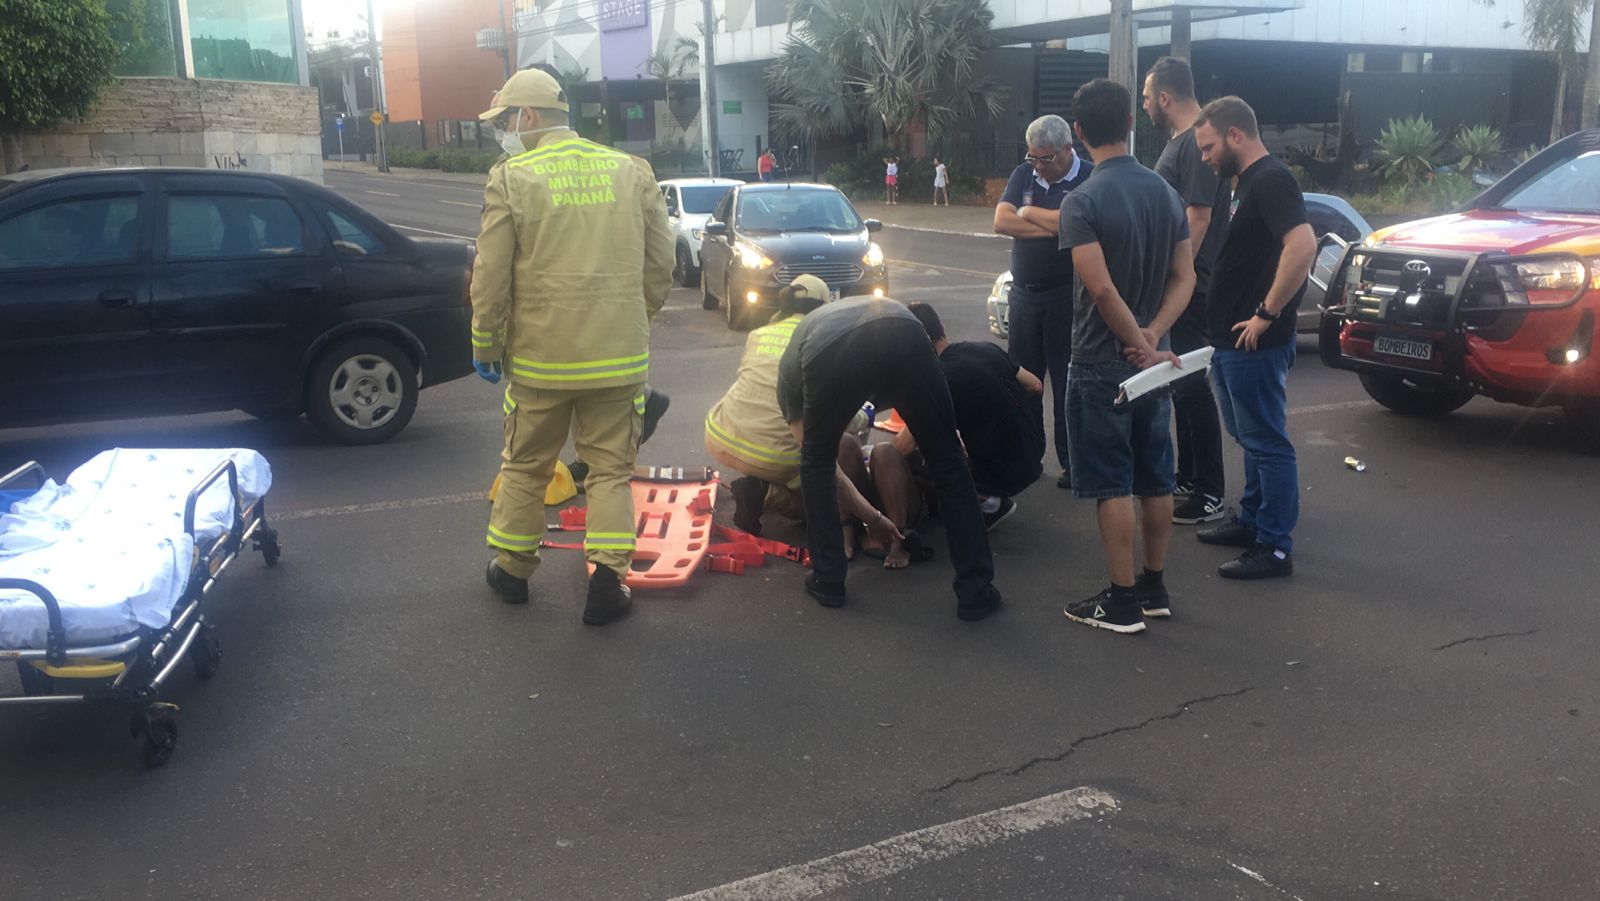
(696, 232)
(1549, 275)
(752, 258)
(874, 257)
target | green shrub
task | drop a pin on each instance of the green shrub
(412, 158)
(1528, 154)
(1479, 146)
(861, 179)
(1439, 194)
(1447, 192)
(476, 161)
(1407, 150)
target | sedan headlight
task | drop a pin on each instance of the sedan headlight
(752, 258)
(1000, 285)
(874, 257)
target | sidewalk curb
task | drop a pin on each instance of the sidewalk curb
(941, 231)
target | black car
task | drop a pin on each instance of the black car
(761, 237)
(145, 292)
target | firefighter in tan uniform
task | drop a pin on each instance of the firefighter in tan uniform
(574, 261)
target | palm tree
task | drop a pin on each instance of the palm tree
(1555, 26)
(898, 63)
(668, 66)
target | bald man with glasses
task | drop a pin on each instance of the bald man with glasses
(1041, 273)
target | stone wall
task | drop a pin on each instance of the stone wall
(183, 122)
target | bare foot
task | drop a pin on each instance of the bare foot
(898, 557)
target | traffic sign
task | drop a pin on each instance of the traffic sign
(338, 125)
(377, 117)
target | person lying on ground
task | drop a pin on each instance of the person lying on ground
(887, 480)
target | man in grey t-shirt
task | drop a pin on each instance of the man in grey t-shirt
(1131, 252)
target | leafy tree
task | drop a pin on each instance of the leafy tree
(898, 63)
(668, 66)
(55, 56)
(1555, 26)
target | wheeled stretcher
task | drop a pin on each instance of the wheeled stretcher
(104, 578)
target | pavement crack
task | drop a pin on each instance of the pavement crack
(1489, 637)
(1083, 740)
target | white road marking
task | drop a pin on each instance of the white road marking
(429, 231)
(880, 860)
(383, 193)
(1329, 408)
(476, 206)
(1263, 880)
(379, 507)
(937, 267)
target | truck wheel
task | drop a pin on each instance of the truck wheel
(1410, 399)
(362, 391)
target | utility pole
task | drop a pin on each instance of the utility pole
(381, 148)
(1124, 61)
(708, 87)
(1182, 33)
(505, 40)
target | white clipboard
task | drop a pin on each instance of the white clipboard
(1163, 374)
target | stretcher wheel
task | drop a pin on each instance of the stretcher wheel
(155, 729)
(206, 652)
(34, 683)
(267, 544)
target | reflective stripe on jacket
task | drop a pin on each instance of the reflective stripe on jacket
(574, 260)
(746, 421)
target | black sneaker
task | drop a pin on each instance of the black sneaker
(1100, 612)
(1151, 592)
(976, 610)
(749, 500)
(655, 407)
(1261, 561)
(510, 590)
(1232, 533)
(1064, 481)
(1183, 491)
(609, 599)
(1198, 508)
(828, 594)
(1007, 507)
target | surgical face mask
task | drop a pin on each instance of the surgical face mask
(511, 139)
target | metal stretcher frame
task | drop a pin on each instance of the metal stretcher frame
(150, 657)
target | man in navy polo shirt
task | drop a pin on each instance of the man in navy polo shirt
(1041, 287)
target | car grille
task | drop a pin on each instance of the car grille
(1386, 292)
(836, 274)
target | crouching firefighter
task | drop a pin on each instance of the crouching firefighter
(574, 261)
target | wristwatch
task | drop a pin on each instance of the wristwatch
(1263, 313)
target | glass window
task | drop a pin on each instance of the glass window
(350, 238)
(1567, 186)
(87, 232)
(1355, 62)
(145, 31)
(703, 199)
(724, 210)
(797, 211)
(243, 40)
(225, 227)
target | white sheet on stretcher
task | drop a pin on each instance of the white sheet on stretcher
(109, 543)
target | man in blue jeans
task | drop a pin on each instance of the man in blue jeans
(1256, 286)
(1130, 248)
(1041, 271)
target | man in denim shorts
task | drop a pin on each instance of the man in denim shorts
(1131, 252)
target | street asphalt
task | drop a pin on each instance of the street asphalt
(1414, 715)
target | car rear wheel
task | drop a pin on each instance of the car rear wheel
(1410, 399)
(684, 274)
(362, 391)
(708, 301)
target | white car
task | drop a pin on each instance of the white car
(1336, 223)
(689, 205)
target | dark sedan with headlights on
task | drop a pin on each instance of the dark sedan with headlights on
(761, 237)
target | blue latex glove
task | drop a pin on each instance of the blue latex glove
(489, 372)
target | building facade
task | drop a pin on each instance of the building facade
(217, 84)
(441, 66)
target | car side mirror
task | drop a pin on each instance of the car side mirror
(874, 225)
(716, 229)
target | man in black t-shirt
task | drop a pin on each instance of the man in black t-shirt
(1256, 286)
(1041, 288)
(994, 398)
(1170, 103)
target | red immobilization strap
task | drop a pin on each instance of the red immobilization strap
(773, 548)
(701, 505)
(729, 565)
(747, 552)
(574, 518)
